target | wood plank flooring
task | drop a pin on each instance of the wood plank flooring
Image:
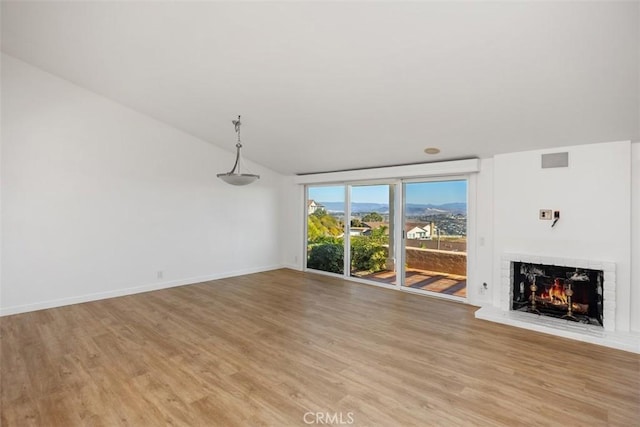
(267, 348)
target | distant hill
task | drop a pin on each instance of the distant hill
(356, 207)
(412, 209)
(455, 208)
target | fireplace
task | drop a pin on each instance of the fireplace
(601, 328)
(564, 292)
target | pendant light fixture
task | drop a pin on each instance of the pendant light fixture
(235, 177)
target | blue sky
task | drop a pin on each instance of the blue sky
(435, 192)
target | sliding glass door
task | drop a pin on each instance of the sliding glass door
(371, 232)
(435, 237)
(408, 234)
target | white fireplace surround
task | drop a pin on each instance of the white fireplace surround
(607, 335)
(609, 285)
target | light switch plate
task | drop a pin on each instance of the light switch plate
(546, 214)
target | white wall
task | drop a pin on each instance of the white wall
(97, 198)
(593, 195)
(484, 233)
(292, 223)
(635, 237)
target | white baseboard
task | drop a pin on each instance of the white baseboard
(42, 305)
(292, 266)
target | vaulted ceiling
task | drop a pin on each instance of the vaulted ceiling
(340, 85)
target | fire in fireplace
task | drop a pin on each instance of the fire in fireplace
(563, 292)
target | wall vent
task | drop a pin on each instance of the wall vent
(555, 160)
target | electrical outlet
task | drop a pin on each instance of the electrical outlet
(160, 274)
(545, 214)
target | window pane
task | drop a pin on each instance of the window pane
(435, 226)
(371, 233)
(325, 228)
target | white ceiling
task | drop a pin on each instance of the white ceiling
(331, 86)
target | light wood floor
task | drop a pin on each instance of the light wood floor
(267, 348)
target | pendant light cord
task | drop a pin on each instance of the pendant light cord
(237, 124)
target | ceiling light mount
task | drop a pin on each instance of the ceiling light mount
(234, 177)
